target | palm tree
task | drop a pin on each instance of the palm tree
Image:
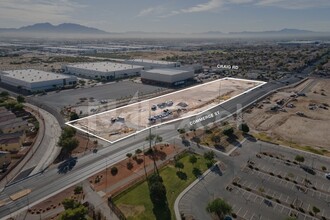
(219, 207)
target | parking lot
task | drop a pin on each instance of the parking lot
(264, 181)
(112, 91)
(279, 182)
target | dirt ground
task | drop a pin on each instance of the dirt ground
(301, 120)
(53, 203)
(84, 144)
(106, 179)
(205, 138)
(187, 102)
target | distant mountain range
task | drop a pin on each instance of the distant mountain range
(283, 31)
(69, 28)
(65, 28)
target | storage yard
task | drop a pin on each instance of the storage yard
(121, 122)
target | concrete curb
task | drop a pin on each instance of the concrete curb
(176, 203)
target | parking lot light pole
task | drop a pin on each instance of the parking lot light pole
(106, 172)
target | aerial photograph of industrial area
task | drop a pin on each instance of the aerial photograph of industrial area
(165, 110)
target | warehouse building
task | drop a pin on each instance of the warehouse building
(150, 64)
(103, 70)
(35, 80)
(167, 77)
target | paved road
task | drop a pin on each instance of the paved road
(48, 150)
(50, 182)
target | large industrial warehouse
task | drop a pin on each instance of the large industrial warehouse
(103, 70)
(35, 80)
(166, 77)
(150, 64)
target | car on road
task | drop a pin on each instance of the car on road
(327, 175)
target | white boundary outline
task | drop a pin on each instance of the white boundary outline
(171, 121)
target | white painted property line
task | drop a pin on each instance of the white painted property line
(168, 122)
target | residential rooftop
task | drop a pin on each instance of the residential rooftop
(32, 75)
(11, 135)
(104, 66)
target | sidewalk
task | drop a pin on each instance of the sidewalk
(48, 150)
(99, 203)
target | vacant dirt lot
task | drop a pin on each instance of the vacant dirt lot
(114, 124)
(298, 116)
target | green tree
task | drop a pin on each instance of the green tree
(78, 213)
(158, 139)
(20, 99)
(216, 138)
(219, 207)
(315, 210)
(69, 144)
(18, 107)
(197, 172)
(68, 132)
(244, 127)
(4, 94)
(209, 155)
(181, 130)
(129, 155)
(70, 204)
(300, 158)
(150, 137)
(78, 189)
(228, 131)
(193, 159)
(179, 165)
(10, 104)
(74, 116)
(114, 171)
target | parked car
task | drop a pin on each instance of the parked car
(307, 169)
(327, 175)
(268, 203)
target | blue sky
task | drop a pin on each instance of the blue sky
(184, 16)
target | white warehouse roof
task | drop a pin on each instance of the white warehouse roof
(152, 61)
(169, 72)
(104, 66)
(32, 75)
(166, 75)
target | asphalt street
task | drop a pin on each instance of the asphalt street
(50, 182)
(46, 184)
